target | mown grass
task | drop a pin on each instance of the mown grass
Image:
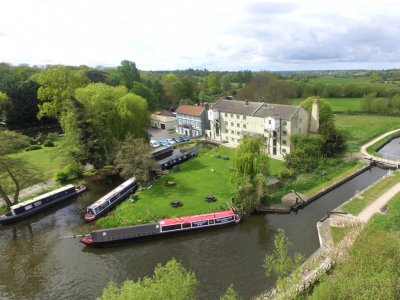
(389, 221)
(339, 105)
(359, 129)
(193, 182)
(357, 204)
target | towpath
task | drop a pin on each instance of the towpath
(33, 189)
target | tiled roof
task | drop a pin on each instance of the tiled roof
(257, 109)
(190, 110)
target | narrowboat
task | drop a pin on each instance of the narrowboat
(32, 206)
(161, 153)
(113, 236)
(176, 159)
(107, 202)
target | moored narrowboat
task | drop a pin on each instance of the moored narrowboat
(112, 236)
(107, 202)
(32, 206)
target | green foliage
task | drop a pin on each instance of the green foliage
(171, 281)
(134, 159)
(11, 141)
(57, 86)
(140, 89)
(306, 155)
(334, 143)
(230, 294)
(125, 74)
(280, 263)
(246, 199)
(371, 271)
(4, 104)
(62, 176)
(48, 144)
(33, 147)
(325, 110)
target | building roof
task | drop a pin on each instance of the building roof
(190, 110)
(256, 109)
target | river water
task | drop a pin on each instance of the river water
(391, 150)
(38, 263)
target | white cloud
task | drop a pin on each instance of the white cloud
(217, 35)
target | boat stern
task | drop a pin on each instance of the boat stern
(87, 239)
(90, 217)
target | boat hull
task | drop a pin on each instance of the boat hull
(138, 233)
(4, 219)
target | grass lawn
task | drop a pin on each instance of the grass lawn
(338, 233)
(356, 205)
(390, 220)
(359, 129)
(338, 105)
(193, 182)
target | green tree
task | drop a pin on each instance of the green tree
(57, 85)
(14, 172)
(171, 281)
(325, 110)
(230, 294)
(4, 104)
(251, 166)
(134, 159)
(334, 141)
(280, 263)
(140, 89)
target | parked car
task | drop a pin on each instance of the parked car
(183, 138)
(171, 141)
(154, 144)
(163, 143)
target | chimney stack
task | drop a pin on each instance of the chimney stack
(314, 121)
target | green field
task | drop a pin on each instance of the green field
(193, 182)
(360, 129)
(338, 105)
(45, 161)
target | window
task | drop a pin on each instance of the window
(269, 121)
(232, 139)
(232, 124)
(231, 115)
(226, 123)
(283, 142)
(226, 131)
(284, 123)
(244, 126)
(238, 140)
(238, 132)
(232, 131)
(244, 117)
(226, 114)
(237, 116)
(237, 124)
(283, 150)
(284, 132)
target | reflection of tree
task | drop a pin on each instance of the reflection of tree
(23, 250)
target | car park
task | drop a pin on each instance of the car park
(154, 144)
(163, 143)
(171, 141)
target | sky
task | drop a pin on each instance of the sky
(218, 35)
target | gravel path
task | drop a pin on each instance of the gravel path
(33, 189)
(375, 206)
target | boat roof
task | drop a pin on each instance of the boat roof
(24, 203)
(113, 192)
(204, 217)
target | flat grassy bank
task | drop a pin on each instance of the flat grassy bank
(357, 204)
(204, 175)
(359, 129)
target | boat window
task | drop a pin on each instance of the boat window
(28, 207)
(171, 227)
(186, 225)
(224, 220)
(37, 203)
(113, 199)
(200, 223)
(103, 206)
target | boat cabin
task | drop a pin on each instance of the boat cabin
(42, 199)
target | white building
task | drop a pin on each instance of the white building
(163, 120)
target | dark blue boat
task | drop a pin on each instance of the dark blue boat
(27, 208)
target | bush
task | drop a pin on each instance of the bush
(33, 147)
(52, 136)
(62, 176)
(48, 144)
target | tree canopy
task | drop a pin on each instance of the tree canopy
(170, 281)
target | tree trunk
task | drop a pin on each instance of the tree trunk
(5, 197)
(17, 187)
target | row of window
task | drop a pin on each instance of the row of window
(237, 124)
(237, 116)
(193, 123)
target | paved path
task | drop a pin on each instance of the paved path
(375, 206)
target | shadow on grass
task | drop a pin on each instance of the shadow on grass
(194, 164)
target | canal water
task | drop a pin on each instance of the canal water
(38, 263)
(391, 150)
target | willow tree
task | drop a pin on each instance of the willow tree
(251, 166)
(113, 113)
